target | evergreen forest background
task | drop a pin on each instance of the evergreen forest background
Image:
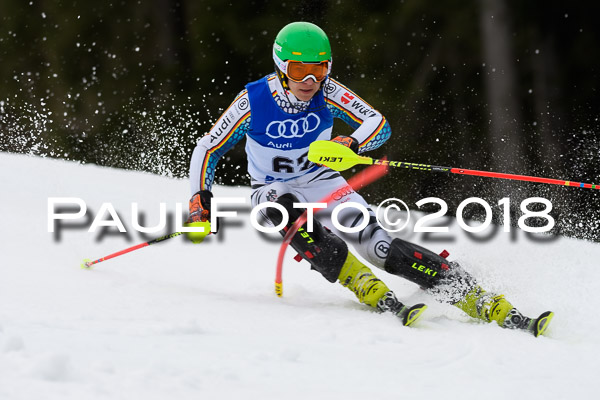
(501, 85)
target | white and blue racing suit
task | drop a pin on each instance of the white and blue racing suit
(279, 129)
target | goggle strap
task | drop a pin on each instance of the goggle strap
(282, 65)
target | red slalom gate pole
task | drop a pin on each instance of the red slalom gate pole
(356, 182)
(87, 263)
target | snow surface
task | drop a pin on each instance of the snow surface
(183, 321)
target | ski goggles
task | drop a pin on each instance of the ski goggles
(299, 71)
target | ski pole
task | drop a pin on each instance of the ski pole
(87, 263)
(339, 157)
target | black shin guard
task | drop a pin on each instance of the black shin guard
(325, 251)
(448, 282)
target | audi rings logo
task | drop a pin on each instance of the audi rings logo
(290, 128)
(341, 193)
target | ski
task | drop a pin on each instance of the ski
(539, 325)
(409, 315)
(535, 326)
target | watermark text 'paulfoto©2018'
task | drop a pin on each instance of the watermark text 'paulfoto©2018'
(392, 215)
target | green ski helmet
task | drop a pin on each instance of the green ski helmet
(300, 41)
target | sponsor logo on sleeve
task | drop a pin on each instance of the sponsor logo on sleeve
(243, 104)
(362, 109)
(346, 97)
(329, 88)
(221, 126)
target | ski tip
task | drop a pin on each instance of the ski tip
(278, 289)
(86, 264)
(542, 322)
(414, 313)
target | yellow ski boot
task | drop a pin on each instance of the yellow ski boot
(371, 291)
(491, 307)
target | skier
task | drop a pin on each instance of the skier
(280, 115)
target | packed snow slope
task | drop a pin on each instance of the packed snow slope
(182, 321)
